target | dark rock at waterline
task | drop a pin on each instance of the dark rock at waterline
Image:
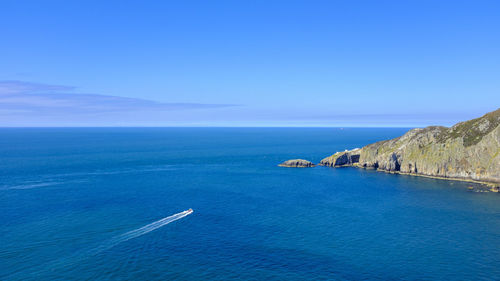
(297, 163)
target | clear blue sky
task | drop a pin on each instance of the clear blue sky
(248, 63)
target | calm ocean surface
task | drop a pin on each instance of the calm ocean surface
(77, 203)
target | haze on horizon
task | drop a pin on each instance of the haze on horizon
(248, 63)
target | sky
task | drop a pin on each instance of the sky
(248, 63)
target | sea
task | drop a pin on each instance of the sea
(113, 204)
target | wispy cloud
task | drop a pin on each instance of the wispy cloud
(20, 96)
(36, 104)
(8, 87)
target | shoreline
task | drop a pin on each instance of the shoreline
(487, 183)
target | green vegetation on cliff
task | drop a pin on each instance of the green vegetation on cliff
(474, 130)
(468, 150)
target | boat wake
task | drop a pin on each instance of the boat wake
(70, 261)
(141, 231)
(29, 185)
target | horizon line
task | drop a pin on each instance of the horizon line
(103, 127)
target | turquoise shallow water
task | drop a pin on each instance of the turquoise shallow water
(76, 204)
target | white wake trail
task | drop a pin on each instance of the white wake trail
(141, 231)
(63, 263)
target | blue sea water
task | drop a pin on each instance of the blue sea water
(92, 203)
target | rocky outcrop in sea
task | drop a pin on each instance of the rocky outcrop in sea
(297, 163)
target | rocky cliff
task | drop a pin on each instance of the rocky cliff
(468, 150)
(339, 159)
